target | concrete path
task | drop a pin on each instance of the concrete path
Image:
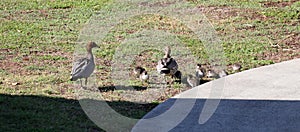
(261, 99)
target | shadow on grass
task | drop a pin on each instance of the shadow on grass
(40, 113)
(112, 88)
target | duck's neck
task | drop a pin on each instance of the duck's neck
(167, 55)
(90, 54)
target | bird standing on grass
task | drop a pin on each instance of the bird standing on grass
(141, 73)
(193, 81)
(211, 74)
(84, 67)
(222, 73)
(167, 66)
(236, 67)
(144, 76)
(138, 71)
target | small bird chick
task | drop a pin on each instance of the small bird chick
(141, 73)
(236, 67)
(193, 81)
(144, 76)
(212, 74)
(223, 73)
(138, 71)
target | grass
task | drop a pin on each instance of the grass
(36, 113)
(40, 38)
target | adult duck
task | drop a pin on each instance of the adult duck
(84, 67)
(167, 65)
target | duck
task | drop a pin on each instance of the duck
(138, 71)
(236, 67)
(193, 81)
(222, 73)
(84, 67)
(167, 65)
(211, 74)
(141, 73)
(144, 76)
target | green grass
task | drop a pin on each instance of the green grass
(47, 31)
(231, 3)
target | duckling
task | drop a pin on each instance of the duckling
(138, 71)
(84, 67)
(222, 73)
(212, 74)
(236, 67)
(144, 76)
(141, 73)
(193, 81)
(200, 71)
(167, 65)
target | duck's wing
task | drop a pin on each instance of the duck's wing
(172, 64)
(168, 64)
(79, 65)
(177, 75)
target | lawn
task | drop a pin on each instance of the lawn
(39, 40)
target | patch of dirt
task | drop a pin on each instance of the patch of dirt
(218, 12)
(146, 56)
(11, 67)
(278, 3)
(224, 12)
(286, 49)
(292, 41)
(17, 63)
(146, 95)
(157, 4)
(7, 63)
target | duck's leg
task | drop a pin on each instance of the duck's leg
(86, 82)
(80, 83)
